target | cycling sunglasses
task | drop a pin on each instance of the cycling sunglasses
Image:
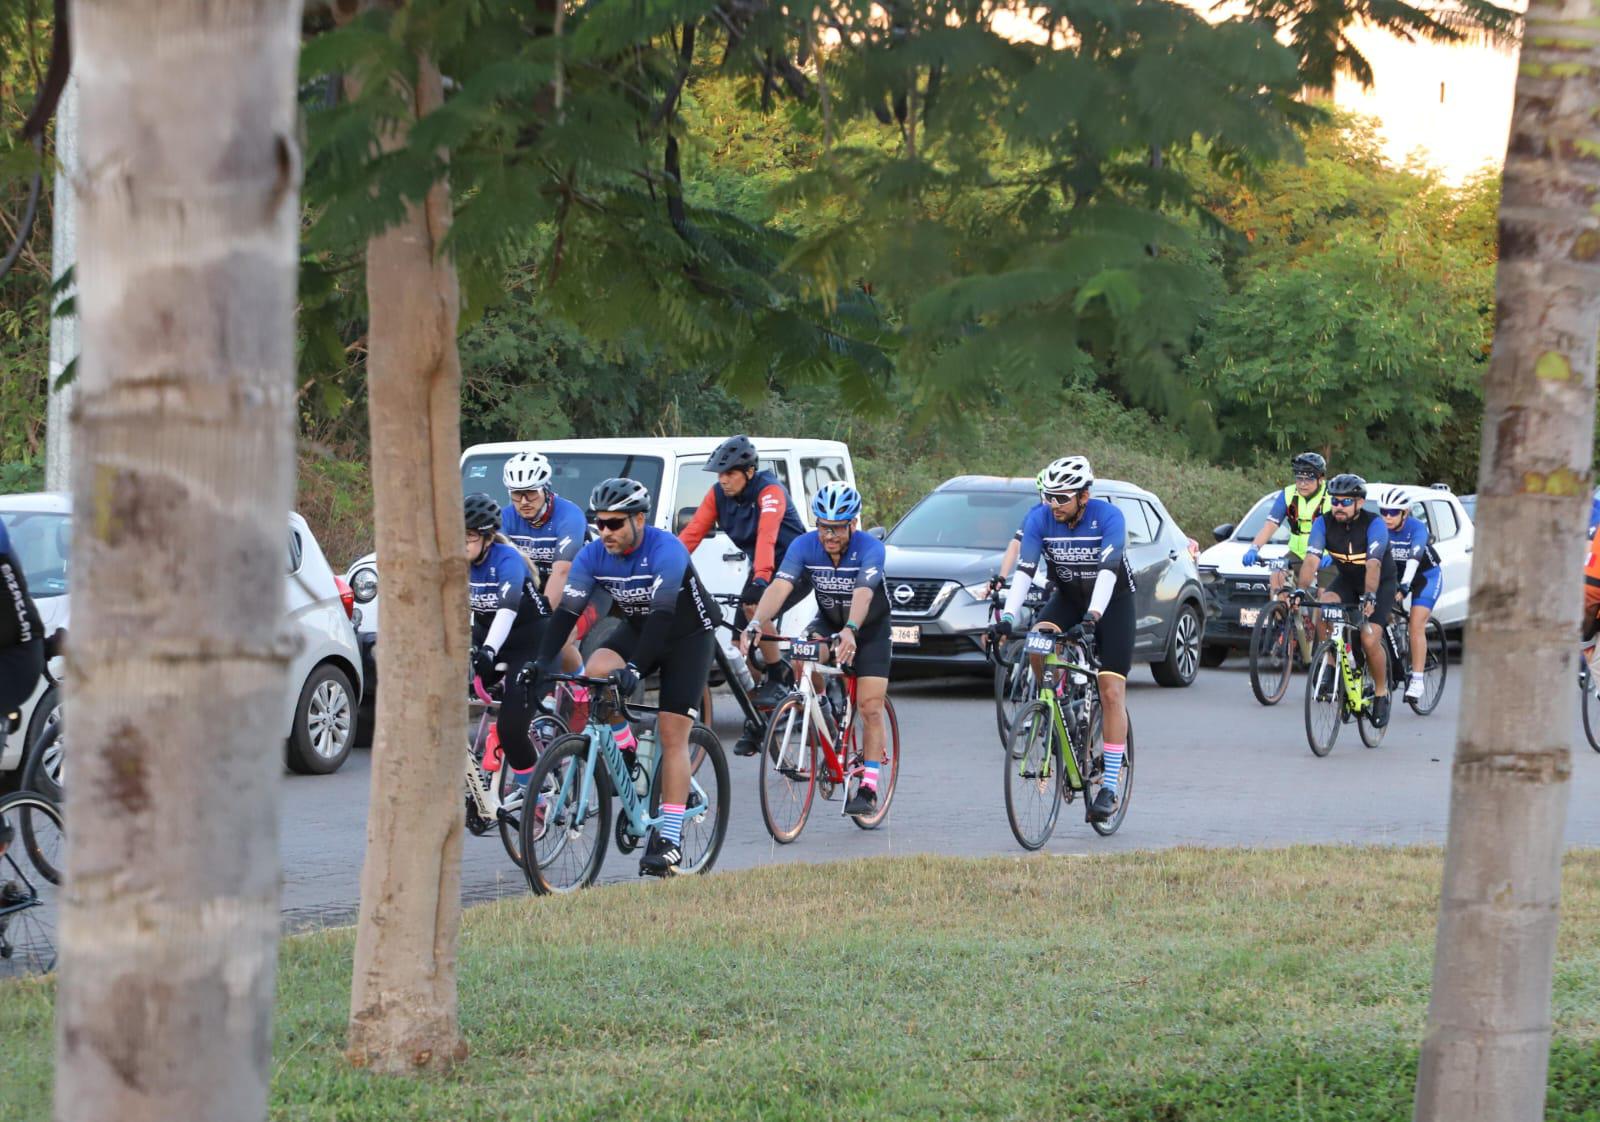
(612, 524)
(833, 529)
(1060, 498)
(1342, 502)
(1393, 511)
(1305, 475)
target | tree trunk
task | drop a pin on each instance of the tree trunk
(189, 217)
(403, 1000)
(1486, 1054)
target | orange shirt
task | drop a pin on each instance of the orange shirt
(1591, 565)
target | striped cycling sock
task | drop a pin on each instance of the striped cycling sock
(869, 776)
(522, 777)
(1113, 766)
(622, 733)
(671, 828)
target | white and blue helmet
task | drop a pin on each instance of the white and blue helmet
(526, 471)
(836, 502)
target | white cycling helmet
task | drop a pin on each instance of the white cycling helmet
(1395, 498)
(527, 471)
(1070, 473)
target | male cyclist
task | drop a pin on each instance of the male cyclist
(547, 528)
(1357, 542)
(1300, 503)
(21, 634)
(669, 623)
(508, 621)
(845, 568)
(1420, 574)
(755, 511)
(1083, 542)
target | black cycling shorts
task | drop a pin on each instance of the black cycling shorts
(1113, 632)
(685, 667)
(1350, 588)
(21, 667)
(874, 647)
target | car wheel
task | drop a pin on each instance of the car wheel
(1183, 650)
(1213, 655)
(324, 723)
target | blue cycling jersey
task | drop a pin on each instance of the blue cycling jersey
(1410, 543)
(1076, 554)
(557, 538)
(808, 566)
(656, 577)
(501, 581)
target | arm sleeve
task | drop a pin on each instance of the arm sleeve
(773, 505)
(500, 628)
(870, 575)
(1280, 508)
(1105, 583)
(1319, 536)
(703, 522)
(1113, 541)
(1017, 593)
(1409, 575)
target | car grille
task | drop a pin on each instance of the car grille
(1226, 595)
(940, 646)
(918, 601)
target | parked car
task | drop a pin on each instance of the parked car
(942, 553)
(672, 467)
(325, 676)
(1235, 595)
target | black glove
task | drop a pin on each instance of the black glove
(1003, 628)
(483, 660)
(1085, 630)
(1297, 596)
(530, 676)
(626, 678)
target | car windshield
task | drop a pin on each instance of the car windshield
(983, 520)
(42, 541)
(1257, 518)
(576, 474)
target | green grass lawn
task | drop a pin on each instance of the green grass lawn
(1178, 985)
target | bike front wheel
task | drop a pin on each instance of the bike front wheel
(1272, 654)
(1033, 775)
(888, 770)
(789, 763)
(705, 815)
(563, 836)
(544, 732)
(1014, 685)
(1434, 668)
(1324, 698)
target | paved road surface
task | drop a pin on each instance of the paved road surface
(1214, 768)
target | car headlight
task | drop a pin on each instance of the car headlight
(364, 583)
(979, 591)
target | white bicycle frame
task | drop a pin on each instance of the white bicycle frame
(811, 714)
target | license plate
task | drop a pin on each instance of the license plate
(1039, 642)
(805, 650)
(1248, 616)
(905, 636)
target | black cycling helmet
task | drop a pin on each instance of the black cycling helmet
(483, 513)
(622, 494)
(1310, 461)
(1346, 485)
(732, 454)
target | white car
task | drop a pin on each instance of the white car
(1235, 594)
(319, 711)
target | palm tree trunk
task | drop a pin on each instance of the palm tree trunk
(183, 471)
(403, 998)
(1486, 1054)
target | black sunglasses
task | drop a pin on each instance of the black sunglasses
(611, 523)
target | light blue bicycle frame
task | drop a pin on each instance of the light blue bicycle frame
(640, 821)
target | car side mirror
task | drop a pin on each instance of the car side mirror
(878, 532)
(685, 516)
(1223, 532)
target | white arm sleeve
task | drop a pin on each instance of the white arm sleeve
(1105, 583)
(1018, 593)
(1409, 575)
(500, 628)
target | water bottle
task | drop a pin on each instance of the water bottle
(741, 669)
(647, 763)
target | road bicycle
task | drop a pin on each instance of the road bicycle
(1339, 685)
(1282, 636)
(1397, 641)
(494, 800)
(1056, 750)
(564, 837)
(43, 760)
(1014, 684)
(735, 672)
(27, 904)
(816, 739)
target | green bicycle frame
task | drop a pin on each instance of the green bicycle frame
(1047, 694)
(1348, 672)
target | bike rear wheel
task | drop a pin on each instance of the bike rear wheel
(564, 839)
(1272, 654)
(1014, 685)
(43, 766)
(1097, 749)
(1434, 669)
(705, 816)
(544, 732)
(1324, 698)
(888, 770)
(788, 770)
(1033, 775)
(38, 821)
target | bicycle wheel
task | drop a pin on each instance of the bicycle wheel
(1371, 735)
(27, 928)
(1033, 767)
(705, 816)
(43, 764)
(39, 826)
(563, 842)
(1097, 746)
(1272, 654)
(1014, 685)
(788, 771)
(888, 771)
(1324, 698)
(1434, 669)
(543, 732)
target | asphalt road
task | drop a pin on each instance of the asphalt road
(1214, 769)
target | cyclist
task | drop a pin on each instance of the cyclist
(1300, 503)
(1591, 593)
(1084, 542)
(669, 625)
(844, 567)
(1357, 543)
(756, 512)
(508, 620)
(1419, 574)
(21, 633)
(548, 529)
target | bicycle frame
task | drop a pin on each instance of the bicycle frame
(1349, 673)
(811, 716)
(1079, 677)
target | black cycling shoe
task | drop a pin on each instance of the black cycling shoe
(862, 803)
(769, 693)
(661, 857)
(749, 742)
(1380, 711)
(1103, 806)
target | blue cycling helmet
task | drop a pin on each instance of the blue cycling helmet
(836, 502)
